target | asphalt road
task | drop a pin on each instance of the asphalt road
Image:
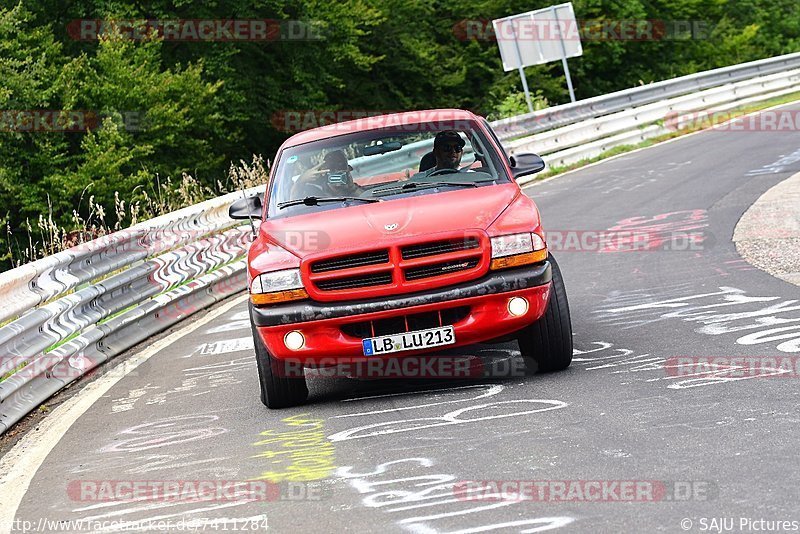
(393, 456)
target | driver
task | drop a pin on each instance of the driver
(332, 177)
(448, 148)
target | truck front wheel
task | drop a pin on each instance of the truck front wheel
(280, 388)
(546, 345)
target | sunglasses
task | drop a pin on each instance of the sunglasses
(451, 148)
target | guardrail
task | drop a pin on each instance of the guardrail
(87, 304)
(563, 115)
(70, 312)
(589, 138)
(582, 130)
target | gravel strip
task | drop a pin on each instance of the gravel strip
(768, 234)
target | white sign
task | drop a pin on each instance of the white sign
(537, 37)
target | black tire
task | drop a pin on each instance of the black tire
(280, 387)
(546, 345)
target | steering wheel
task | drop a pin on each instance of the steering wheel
(313, 189)
(437, 172)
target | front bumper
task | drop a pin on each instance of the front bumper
(488, 317)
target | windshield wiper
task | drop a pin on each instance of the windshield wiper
(415, 185)
(313, 201)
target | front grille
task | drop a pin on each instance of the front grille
(438, 269)
(397, 325)
(398, 268)
(353, 260)
(353, 282)
(439, 247)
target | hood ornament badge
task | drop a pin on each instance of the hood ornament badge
(390, 227)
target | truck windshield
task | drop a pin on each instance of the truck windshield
(382, 165)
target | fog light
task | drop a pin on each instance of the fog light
(517, 306)
(294, 340)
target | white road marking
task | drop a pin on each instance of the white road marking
(19, 465)
(447, 500)
(227, 327)
(778, 166)
(225, 346)
(491, 390)
(450, 418)
(240, 316)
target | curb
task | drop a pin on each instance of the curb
(768, 234)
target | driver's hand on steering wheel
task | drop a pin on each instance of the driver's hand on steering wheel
(446, 170)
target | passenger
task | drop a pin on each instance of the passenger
(330, 178)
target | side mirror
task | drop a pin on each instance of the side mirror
(247, 208)
(525, 164)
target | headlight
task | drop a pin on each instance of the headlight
(277, 286)
(517, 249)
(507, 245)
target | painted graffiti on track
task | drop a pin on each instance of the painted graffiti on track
(760, 320)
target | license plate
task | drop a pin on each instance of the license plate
(419, 339)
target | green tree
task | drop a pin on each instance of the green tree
(30, 60)
(134, 119)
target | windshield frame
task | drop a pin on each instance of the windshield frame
(474, 127)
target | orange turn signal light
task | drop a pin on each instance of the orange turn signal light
(519, 259)
(260, 299)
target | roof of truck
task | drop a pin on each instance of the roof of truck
(447, 117)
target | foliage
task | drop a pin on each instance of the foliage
(516, 104)
(156, 111)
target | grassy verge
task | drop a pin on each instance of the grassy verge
(709, 122)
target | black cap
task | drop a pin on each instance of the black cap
(336, 160)
(448, 135)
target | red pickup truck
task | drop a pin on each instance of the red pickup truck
(398, 235)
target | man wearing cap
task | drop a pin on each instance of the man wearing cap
(331, 177)
(448, 147)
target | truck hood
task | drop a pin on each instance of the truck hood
(382, 222)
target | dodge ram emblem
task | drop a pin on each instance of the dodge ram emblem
(451, 267)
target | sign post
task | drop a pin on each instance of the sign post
(538, 37)
(522, 69)
(564, 52)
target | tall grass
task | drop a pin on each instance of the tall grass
(45, 236)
